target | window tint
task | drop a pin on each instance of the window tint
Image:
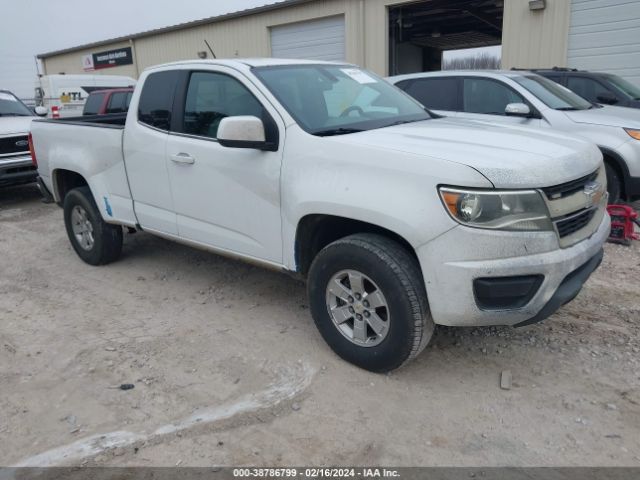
(434, 93)
(156, 99)
(488, 96)
(10, 106)
(552, 94)
(555, 78)
(93, 104)
(624, 86)
(117, 102)
(586, 88)
(127, 100)
(212, 97)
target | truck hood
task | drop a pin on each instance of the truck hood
(508, 156)
(11, 125)
(608, 116)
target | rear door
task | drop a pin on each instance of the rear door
(145, 144)
(486, 99)
(226, 198)
(440, 95)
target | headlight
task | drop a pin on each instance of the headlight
(633, 133)
(498, 210)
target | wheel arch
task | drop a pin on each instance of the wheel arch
(64, 181)
(316, 231)
(617, 162)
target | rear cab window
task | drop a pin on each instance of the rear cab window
(117, 102)
(156, 100)
(93, 104)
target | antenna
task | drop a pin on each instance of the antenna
(35, 59)
(210, 49)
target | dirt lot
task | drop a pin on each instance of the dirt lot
(229, 369)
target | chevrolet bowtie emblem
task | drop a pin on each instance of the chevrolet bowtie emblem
(593, 193)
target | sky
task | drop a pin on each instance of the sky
(30, 27)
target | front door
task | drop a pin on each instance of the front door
(226, 198)
(486, 99)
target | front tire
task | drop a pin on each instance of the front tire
(95, 241)
(368, 300)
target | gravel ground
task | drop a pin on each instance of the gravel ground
(228, 368)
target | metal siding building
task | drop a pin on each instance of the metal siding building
(605, 35)
(594, 34)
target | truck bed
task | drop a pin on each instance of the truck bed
(90, 146)
(112, 120)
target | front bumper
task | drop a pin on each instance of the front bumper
(17, 171)
(452, 262)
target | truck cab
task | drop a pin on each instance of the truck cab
(104, 102)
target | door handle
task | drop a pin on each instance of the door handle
(183, 158)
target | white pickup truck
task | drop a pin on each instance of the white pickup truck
(398, 219)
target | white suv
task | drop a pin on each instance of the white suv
(527, 99)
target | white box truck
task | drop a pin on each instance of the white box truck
(65, 95)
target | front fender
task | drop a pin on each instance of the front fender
(393, 190)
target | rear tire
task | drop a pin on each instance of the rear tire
(614, 184)
(95, 241)
(387, 275)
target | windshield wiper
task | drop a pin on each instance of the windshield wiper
(330, 132)
(402, 122)
(566, 109)
(14, 115)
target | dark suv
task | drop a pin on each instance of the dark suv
(596, 87)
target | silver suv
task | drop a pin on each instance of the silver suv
(528, 99)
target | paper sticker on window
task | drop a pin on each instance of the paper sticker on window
(359, 76)
(6, 96)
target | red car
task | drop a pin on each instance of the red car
(114, 100)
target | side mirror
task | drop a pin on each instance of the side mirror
(608, 98)
(517, 110)
(41, 111)
(243, 132)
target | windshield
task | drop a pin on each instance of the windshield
(552, 94)
(339, 99)
(624, 86)
(10, 106)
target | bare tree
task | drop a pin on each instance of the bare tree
(481, 61)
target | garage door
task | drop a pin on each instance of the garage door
(604, 35)
(317, 40)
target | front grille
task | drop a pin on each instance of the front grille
(569, 188)
(574, 222)
(14, 145)
(13, 171)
